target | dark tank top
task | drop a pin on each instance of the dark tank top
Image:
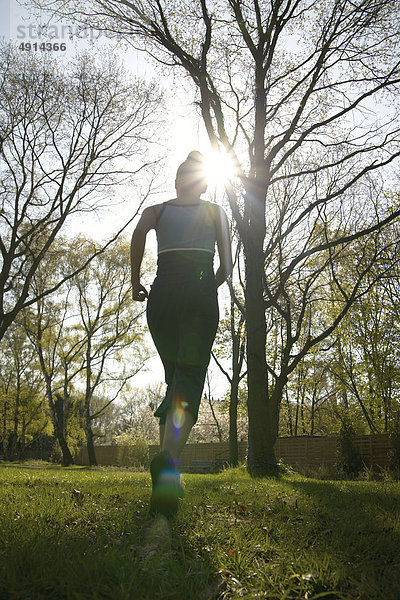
(186, 227)
(186, 236)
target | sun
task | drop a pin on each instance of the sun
(219, 169)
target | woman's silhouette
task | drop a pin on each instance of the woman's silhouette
(182, 311)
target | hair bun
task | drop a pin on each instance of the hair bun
(195, 155)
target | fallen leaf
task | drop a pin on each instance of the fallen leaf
(309, 576)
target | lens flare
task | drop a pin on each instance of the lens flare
(179, 413)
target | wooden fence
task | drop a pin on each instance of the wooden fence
(309, 451)
(299, 452)
(205, 457)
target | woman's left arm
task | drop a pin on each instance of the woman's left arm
(224, 246)
(146, 222)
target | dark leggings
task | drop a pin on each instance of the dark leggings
(182, 315)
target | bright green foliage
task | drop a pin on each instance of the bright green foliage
(23, 414)
(366, 361)
(136, 450)
(79, 534)
(355, 373)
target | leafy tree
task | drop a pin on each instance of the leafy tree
(46, 325)
(306, 396)
(291, 89)
(366, 360)
(356, 371)
(111, 330)
(65, 133)
(23, 414)
(212, 424)
(105, 425)
(137, 453)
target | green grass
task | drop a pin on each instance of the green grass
(85, 535)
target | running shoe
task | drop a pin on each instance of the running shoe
(166, 485)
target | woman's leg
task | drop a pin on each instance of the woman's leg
(196, 328)
(183, 333)
(177, 429)
(162, 322)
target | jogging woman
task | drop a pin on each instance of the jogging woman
(182, 311)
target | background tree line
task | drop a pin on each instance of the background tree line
(72, 354)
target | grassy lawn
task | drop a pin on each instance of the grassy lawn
(84, 534)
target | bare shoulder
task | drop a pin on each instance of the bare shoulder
(148, 220)
(154, 209)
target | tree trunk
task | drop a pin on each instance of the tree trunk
(14, 435)
(88, 396)
(276, 402)
(290, 419)
(238, 351)
(12, 446)
(261, 436)
(90, 445)
(58, 432)
(4, 434)
(233, 404)
(23, 437)
(66, 454)
(313, 411)
(303, 423)
(214, 416)
(296, 426)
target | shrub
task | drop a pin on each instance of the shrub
(138, 455)
(56, 454)
(348, 457)
(135, 450)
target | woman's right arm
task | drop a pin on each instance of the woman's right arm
(147, 221)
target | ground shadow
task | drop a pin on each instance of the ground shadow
(358, 523)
